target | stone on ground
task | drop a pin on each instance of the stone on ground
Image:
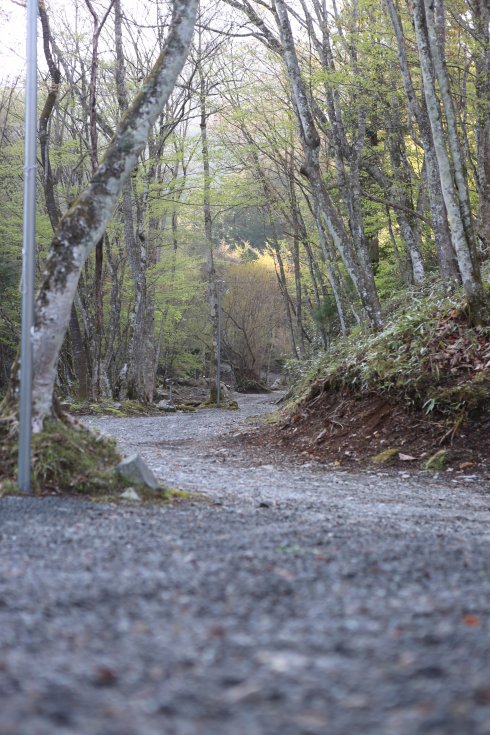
(130, 494)
(166, 406)
(135, 470)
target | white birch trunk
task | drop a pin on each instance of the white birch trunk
(459, 168)
(356, 263)
(469, 271)
(85, 223)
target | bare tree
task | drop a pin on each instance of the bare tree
(82, 227)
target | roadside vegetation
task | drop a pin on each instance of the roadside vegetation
(416, 394)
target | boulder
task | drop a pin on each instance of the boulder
(166, 406)
(134, 470)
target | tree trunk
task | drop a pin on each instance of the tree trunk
(208, 232)
(80, 360)
(481, 12)
(468, 267)
(442, 235)
(82, 227)
(357, 264)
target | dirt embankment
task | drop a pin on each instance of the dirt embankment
(411, 397)
(341, 429)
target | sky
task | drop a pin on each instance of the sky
(12, 31)
(13, 28)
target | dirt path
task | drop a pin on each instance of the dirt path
(299, 602)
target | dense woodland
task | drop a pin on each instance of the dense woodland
(316, 162)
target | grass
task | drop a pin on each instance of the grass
(65, 458)
(428, 356)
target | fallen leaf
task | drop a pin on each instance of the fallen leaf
(472, 621)
(406, 457)
(105, 677)
(465, 465)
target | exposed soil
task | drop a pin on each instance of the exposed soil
(342, 429)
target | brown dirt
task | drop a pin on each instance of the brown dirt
(341, 429)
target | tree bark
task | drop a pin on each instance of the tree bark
(208, 230)
(442, 234)
(456, 207)
(357, 263)
(79, 353)
(82, 227)
(481, 14)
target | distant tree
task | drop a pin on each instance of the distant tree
(252, 314)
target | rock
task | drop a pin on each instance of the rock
(166, 406)
(385, 455)
(136, 471)
(437, 461)
(277, 384)
(130, 494)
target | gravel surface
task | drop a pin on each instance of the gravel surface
(297, 602)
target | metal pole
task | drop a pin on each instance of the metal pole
(218, 348)
(28, 251)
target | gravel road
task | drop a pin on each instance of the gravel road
(296, 602)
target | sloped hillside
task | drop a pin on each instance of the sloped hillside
(419, 388)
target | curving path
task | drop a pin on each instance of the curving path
(297, 602)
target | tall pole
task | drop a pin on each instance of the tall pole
(218, 347)
(28, 251)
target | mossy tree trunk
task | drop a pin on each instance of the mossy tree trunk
(83, 226)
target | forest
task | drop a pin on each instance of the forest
(248, 490)
(315, 182)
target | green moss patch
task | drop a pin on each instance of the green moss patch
(65, 459)
(229, 405)
(111, 408)
(385, 455)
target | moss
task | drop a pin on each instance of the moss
(229, 405)
(65, 459)
(272, 418)
(106, 407)
(385, 455)
(167, 496)
(438, 461)
(8, 487)
(74, 460)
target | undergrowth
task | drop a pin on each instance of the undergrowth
(427, 356)
(65, 459)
